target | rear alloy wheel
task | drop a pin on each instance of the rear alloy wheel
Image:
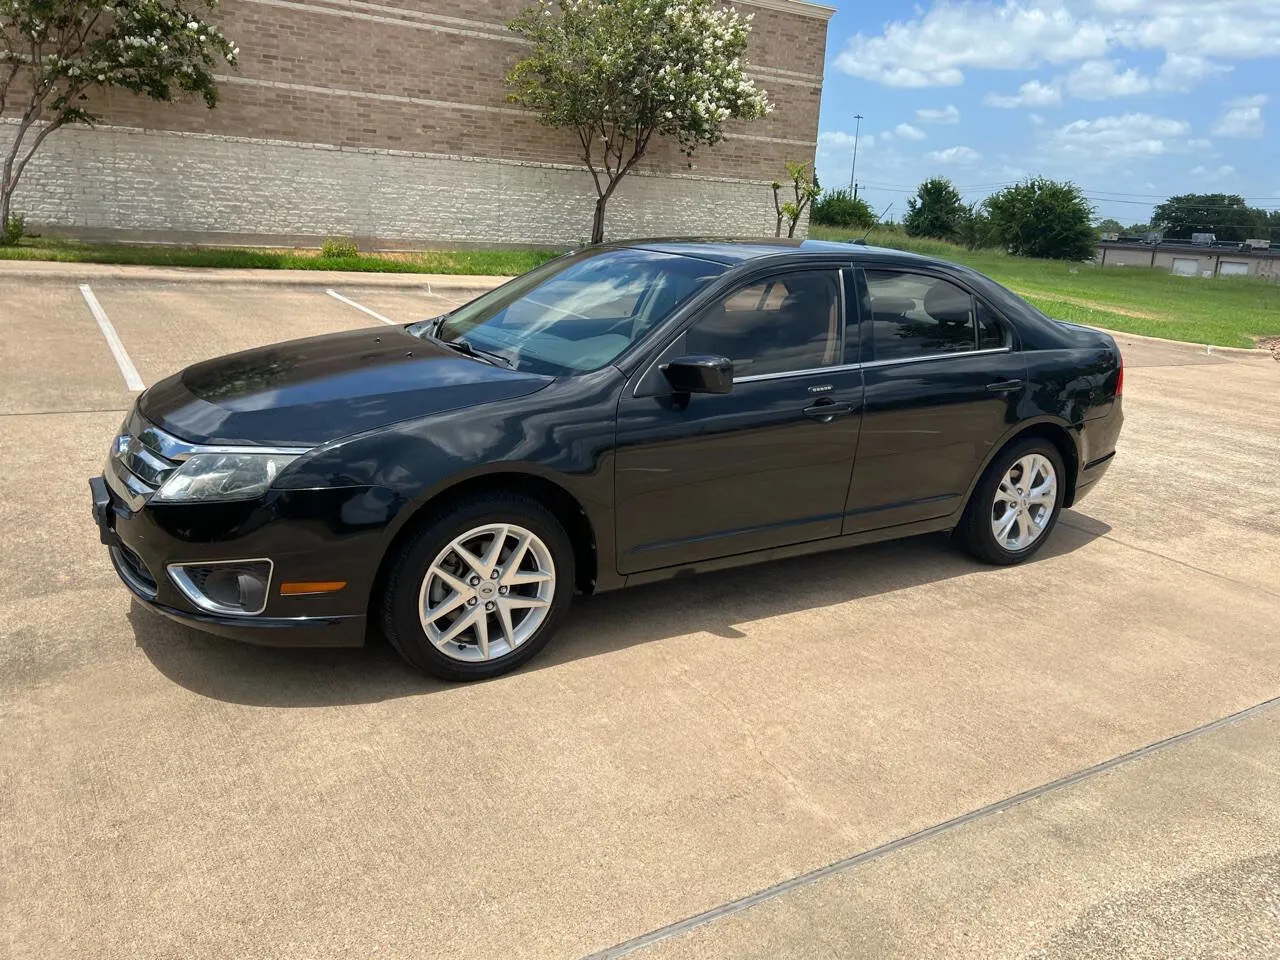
(480, 590)
(1015, 504)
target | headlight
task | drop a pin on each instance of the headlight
(223, 476)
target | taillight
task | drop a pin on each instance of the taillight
(1120, 379)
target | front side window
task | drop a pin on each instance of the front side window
(914, 315)
(785, 323)
(576, 313)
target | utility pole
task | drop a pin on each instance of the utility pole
(856, 130)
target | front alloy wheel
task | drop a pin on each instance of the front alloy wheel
(487, 592)
(478, 588)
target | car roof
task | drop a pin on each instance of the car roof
(734, 252)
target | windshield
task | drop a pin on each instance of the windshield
(576, 313)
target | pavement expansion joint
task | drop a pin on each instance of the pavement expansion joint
(910, 840)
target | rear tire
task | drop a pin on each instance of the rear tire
(480, 589)
(1015, 505)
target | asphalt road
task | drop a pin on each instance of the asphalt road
(679, 747)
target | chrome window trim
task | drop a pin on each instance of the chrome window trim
(178, 575)
(809, 371)
(872, 363)
(937, 356)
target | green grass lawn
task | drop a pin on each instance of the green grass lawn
(1227, 311)
(478, 262)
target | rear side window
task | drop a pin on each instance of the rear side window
(914, 315)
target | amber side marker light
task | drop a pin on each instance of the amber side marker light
(297, 588)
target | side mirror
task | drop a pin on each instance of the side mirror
(700, 374)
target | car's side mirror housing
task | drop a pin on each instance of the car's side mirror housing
(700, 374)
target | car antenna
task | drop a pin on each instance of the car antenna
(863, 238)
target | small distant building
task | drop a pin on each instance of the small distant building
(1185, 259)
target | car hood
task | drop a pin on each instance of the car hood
(308, 392)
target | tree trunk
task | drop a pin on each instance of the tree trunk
(597, 224)
(4, 216)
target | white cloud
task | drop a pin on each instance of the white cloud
(930, 50)
(1181, 72)
(1221, 173)
(1130, 135)
(1103, 80)
(936, 46)
(948, 114)
(1035, 118)
(840, 142)
(1033, 93)
(954, 155)
(905, 131)
(1243, 118)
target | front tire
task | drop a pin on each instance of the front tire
(1015, 505)
(480, 590)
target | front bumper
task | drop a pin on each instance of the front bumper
(307, 534)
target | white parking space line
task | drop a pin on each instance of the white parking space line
(361, 307)
(127, 369)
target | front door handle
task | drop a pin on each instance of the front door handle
(824, 411)
(1005, 386)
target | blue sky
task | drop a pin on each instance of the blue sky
(1134, 100)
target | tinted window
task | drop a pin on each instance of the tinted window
(577, 312)
(913, 315)
(990, 331)
(788, 322)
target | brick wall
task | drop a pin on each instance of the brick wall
(412, 93)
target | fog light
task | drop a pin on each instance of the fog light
(235, 587)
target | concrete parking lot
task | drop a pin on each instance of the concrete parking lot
(963, 746)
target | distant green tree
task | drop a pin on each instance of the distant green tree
(840, 208)
(1042, 218)
(935, 211)
(1137, 228)
(975, 227)
(1109, 226)
(1225, 215)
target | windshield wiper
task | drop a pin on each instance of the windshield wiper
(471, 350)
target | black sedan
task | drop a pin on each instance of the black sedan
(619, 415)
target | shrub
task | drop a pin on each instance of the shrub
(13, 231)
(1042, 218)
(840, 208)
(339, 248)
(935, 211)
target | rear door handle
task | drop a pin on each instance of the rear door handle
(1005, 386)
(825, 411)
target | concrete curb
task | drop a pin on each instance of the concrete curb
(1120, 335)
(53, 270)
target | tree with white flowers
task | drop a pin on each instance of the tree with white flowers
(619, 72)
(54, 53)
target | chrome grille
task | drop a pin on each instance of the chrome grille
(142, 458)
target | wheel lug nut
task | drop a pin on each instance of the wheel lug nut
(502, 591)
(495, 575)
(490, 605)
(471, 602)
(475, 581)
